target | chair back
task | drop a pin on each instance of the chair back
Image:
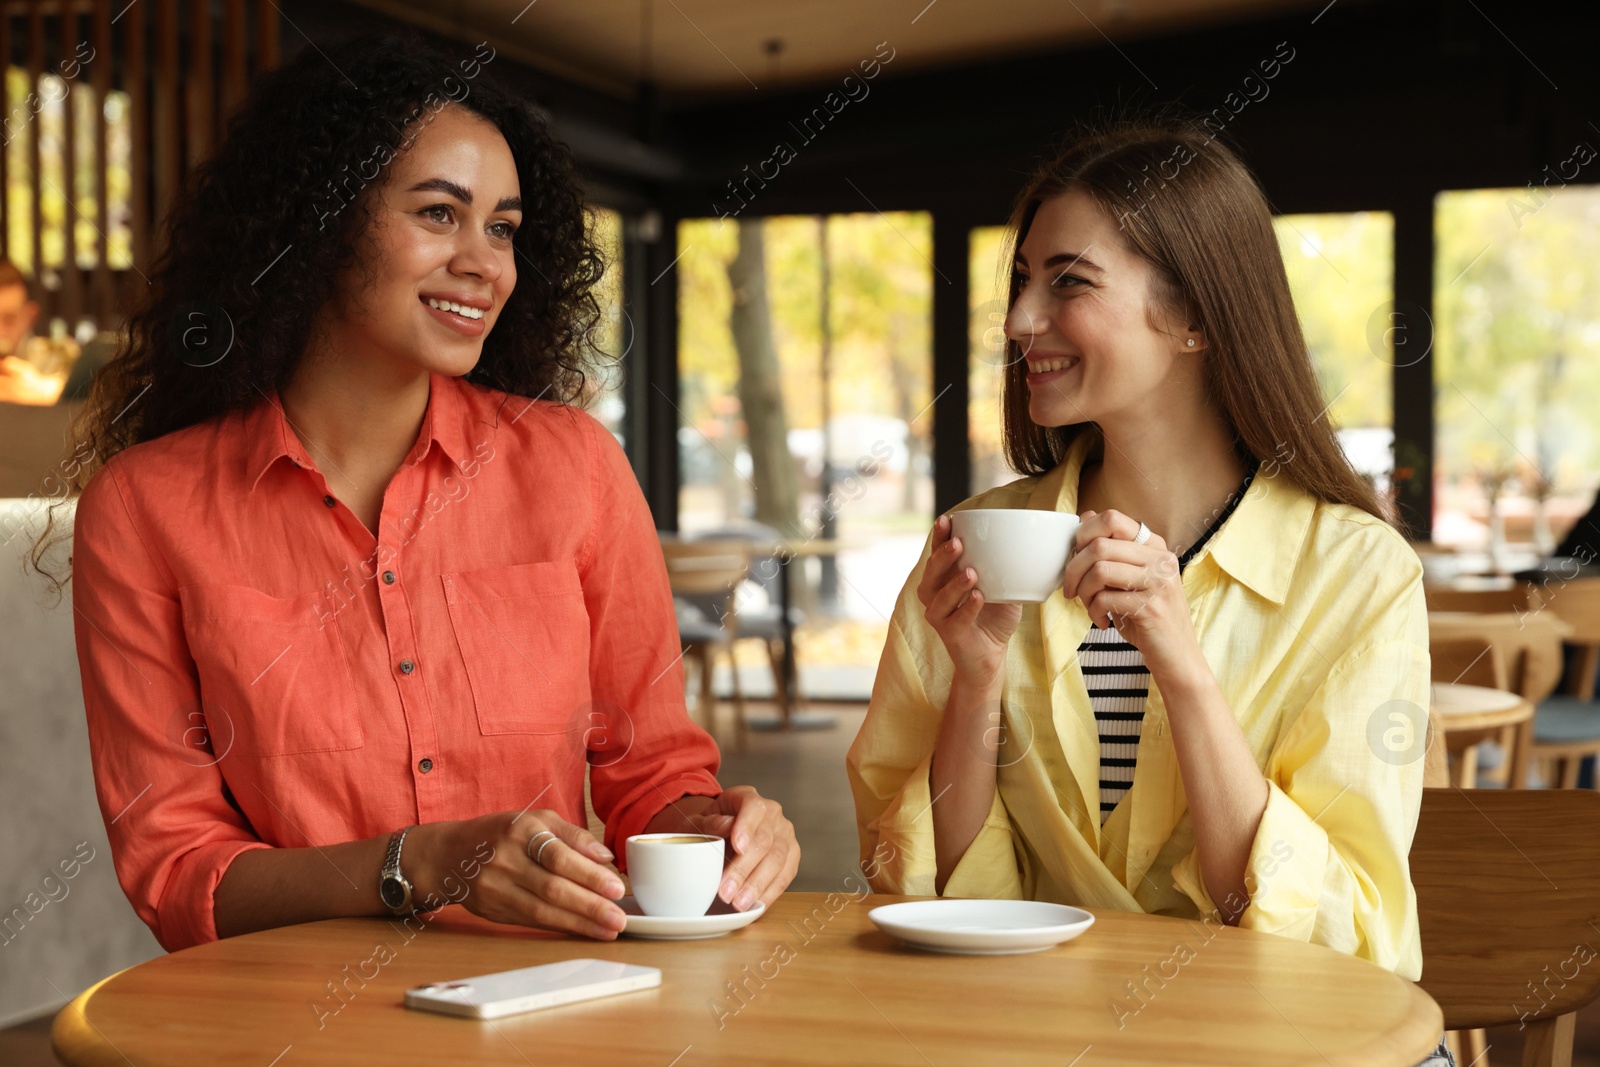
(1468, 661)
(1508, 894)
(1575, 602)
(707, 579)
(694, 573)
(763, 565)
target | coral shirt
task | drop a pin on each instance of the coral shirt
(259, 670)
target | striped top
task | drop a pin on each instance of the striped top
(1119, 682)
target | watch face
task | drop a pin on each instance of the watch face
(393, 892)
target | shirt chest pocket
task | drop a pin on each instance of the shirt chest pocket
(279, 675)
(523, 634)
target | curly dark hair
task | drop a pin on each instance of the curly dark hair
(252, 248)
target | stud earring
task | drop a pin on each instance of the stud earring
(1190, 342)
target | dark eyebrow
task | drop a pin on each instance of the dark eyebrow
(463, 194)
(1069, 258)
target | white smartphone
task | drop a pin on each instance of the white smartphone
(489, 996)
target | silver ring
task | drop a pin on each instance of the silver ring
(1143, 535)
(542, 847)
(534, 856)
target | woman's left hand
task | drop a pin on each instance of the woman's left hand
(765, 851)
(1138, 588)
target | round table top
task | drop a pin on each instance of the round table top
(812, 981)
(1452, 699)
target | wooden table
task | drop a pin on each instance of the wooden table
(1472, 714)
(813, 982)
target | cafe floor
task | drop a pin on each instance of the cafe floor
(804, 771)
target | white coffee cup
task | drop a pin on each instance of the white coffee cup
(1020, 554)
(675, 874)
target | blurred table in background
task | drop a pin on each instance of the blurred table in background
(1476, 655)
(755, 550)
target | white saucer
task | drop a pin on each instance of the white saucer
(721, 919)
(982, 927)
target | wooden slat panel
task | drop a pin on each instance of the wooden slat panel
(35, 68)
(71, 277)
(164, 114)
(235, 74)
(101, 67)
(266, 36)
(143, 158)
(199, 84)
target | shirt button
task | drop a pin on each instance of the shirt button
(425, 766)
(388, 577)
(328, 500)
(406, 666)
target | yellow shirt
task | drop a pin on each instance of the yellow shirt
(1311, 616)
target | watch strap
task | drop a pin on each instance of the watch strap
(391, 870)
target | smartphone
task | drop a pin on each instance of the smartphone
(489, 996)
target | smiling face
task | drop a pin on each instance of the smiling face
(437, 263)
(1083, 321)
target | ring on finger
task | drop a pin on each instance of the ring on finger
(542, 833)
(542, 847)
(1143, 535)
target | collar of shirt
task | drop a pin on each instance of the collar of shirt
(271, 438)
(1274, 511)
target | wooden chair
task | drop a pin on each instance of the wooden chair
(1576, 603)
(1508, 888)
(1469, 672)
(1516, 652)
(709, 576)
(1566, 727)
(1435, 768)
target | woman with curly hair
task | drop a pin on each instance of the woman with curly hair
(1220, 713)
(362, 597)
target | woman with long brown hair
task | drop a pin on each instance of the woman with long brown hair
(1221, 713)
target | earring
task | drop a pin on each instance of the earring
(1190, 342)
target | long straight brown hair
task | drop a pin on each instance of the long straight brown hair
(1186, 204)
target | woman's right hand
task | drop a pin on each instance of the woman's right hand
(573, 887)
(974, 633)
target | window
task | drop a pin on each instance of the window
(987, 277)
(877, 389)
(1517, 350)
(1341, 274)
(613, 333)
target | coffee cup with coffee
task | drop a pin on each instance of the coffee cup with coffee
(1020, 554)
(675, 874)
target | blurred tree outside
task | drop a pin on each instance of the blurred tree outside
(760, 385)
(881, 307)
(880, 388)
(1341, 275)
(1517, 350)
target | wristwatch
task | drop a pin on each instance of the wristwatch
(393, 887)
